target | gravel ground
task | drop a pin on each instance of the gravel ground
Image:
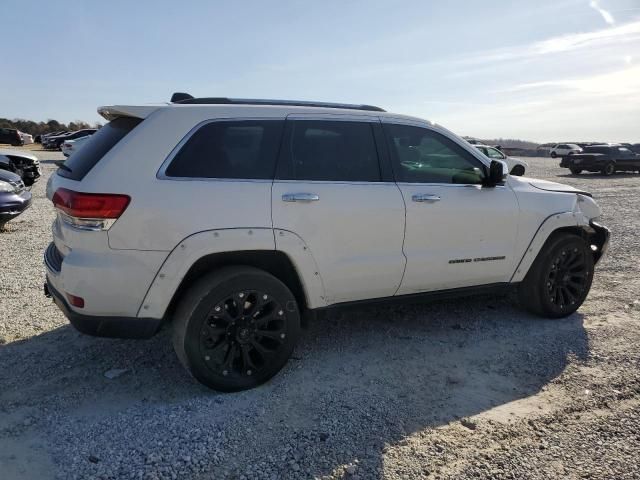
(466, 389)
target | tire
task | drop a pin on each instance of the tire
(554, 154)
(576, 171)
(609, 169)
(236, 350)
(559, 279)
(518, 170)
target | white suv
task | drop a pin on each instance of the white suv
(564, 149)
(234, 219)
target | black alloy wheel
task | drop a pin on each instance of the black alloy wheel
(567, 277)
(242, 332)
(609, 169)
(559, 280)
(235, 328)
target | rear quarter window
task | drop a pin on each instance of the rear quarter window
(81, 162)
(243, 149)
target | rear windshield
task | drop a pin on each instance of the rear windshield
(82, 161)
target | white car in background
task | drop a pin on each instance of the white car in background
(564, 149)
(27, 139)
(71, 146)
(516, 167)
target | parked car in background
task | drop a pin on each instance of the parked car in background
(11, 136)
(27, 139)
(44, 137)
(606, 159)
(14, 197)
(55, 142)
(47, 136)
(215, 228)
(24, 164)
(516, 167)
(563, 149)
(72, 146)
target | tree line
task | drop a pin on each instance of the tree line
(41, 128)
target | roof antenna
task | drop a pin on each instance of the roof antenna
(179, 96)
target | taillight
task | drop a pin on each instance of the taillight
(90, 211)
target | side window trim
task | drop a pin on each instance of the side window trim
(162, 175)
(477, 156)
(282, 166)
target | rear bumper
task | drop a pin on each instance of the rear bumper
(98, 326)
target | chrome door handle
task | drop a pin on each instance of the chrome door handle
(300, 197)
(425, 197)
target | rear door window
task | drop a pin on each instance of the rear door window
(329, 150)
(83, 160)
(245, 149)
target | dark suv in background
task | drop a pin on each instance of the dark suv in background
(55, 142)
(11, 136)
(606, 159)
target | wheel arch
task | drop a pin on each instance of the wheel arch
(559, 223)
(205, 251)
(274, 262)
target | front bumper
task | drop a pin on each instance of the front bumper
(600, 238)
(98, 326)
(13, 204)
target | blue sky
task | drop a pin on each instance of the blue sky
(539, 70)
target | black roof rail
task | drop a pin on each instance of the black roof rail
(186, 99)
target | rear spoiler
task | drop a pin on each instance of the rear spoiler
(111, 112)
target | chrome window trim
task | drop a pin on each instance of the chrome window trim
(162, 171)
(331, 182)
(478, 186)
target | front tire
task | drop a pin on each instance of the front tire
(554, 154)
(236, 328)
(576, 171)
(559, 279)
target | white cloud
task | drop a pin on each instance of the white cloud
(619, 35)
(599, 106)
(606, 15)
(624, 82)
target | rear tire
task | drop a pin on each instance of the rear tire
(236, 328)
(559, 279)
(576, 171)
(609, 169)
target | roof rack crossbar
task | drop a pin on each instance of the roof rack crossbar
(249, 101)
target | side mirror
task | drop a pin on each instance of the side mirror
(497, 173)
